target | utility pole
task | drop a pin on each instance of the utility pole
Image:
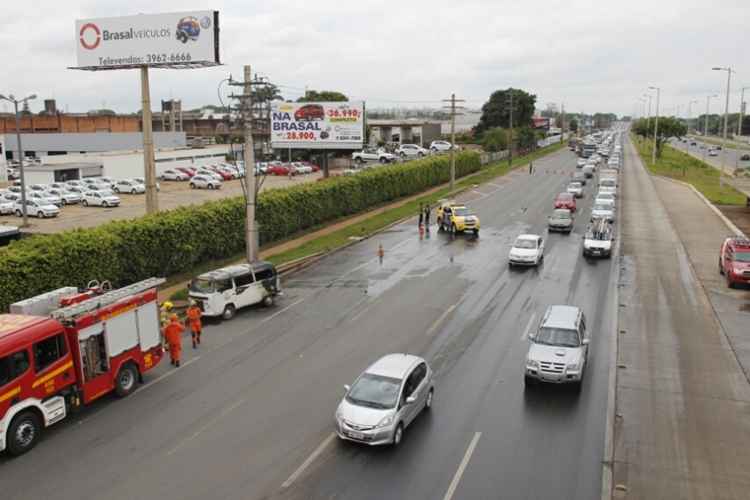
(149, 168)
(21, 167)
(742, 111)
(656, 124)
(251, 232)
(510, 131)
(562, 122)
(690, 116)
(453, 108)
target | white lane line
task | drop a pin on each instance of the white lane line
(168, 374)
(296, 474)
(462, 467)
(208, 424)
(360, 313)
(442, 317)
(280, 311)
(525, 333)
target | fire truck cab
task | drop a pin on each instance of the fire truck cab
(54, 359)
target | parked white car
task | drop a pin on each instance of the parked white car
(201, 181)
(39, 188)
(437, 146)
(411, 151)
(44, 197)
(129, 186)
(36, 208)
(67, 197)
(6, 206)
(528, 250)
(372, 154)
(100, 199)
(141, 180)
(174, 175)
(209, 173)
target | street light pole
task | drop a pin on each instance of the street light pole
(726, 123)
(656, 123)
(690, 115)
(21, 168)
(648, 114)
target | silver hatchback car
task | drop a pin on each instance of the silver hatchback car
(385, 399)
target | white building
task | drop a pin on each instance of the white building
(129, 164)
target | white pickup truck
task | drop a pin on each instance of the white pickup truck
(371, 154)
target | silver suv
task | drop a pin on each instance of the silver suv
(385, 399)
(559, 348)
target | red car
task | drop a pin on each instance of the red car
(224, 174)
(566, 200)
(310, 112)
(734, 261)
(278, 170)
(186, 170)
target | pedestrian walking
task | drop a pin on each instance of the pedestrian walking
(381, 253)
(421, 214)
(193, 320)
(427, 216)
(531, 168)
(173, 335)
(164, 312)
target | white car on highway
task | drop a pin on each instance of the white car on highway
(36, 208)
(411, 151)
(201, 181)
(100, 199)
(129, 186)
(559, 347)
(602, 211)
(576, 189)
(604, 198)
(528, 250)
(174, 175)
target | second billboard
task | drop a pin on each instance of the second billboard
(317, 125)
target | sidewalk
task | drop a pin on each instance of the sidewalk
(682, 400)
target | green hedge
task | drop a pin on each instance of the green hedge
(175, 241)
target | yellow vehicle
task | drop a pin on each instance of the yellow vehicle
(456, 217)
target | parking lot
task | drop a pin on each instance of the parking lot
(173, 194)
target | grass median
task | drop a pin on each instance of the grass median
(683, 167)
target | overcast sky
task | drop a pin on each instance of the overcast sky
(592, 55)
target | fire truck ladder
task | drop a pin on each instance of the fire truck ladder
(106, 299)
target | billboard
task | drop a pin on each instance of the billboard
(317, 125)
(180, 39)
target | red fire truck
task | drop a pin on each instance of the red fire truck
(65, 348)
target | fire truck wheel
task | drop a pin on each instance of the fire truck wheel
(24, 432)
(126, 380)
(228, 312)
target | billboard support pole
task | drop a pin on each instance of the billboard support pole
(251, 231)
(152, 200)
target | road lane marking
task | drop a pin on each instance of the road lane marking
(168, 374)
(525, 333)
(208, 424)
(462, 466)
(296, 474)
(438, 321)
(269, 318)
(360, 313)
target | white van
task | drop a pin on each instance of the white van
(223, 291)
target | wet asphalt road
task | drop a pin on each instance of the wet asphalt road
(256, 402)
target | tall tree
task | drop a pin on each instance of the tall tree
(323, 96)
(496, 111)
(668, 127)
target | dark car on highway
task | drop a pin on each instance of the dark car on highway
(565, 200)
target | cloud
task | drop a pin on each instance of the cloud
(593, 56)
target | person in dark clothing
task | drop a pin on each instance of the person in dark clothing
(421, 214)
(531, 168)
(427, 216)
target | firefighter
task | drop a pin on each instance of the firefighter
(165, 310)
(173, 334)
(193, 319)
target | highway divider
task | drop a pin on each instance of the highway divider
(176, 241)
